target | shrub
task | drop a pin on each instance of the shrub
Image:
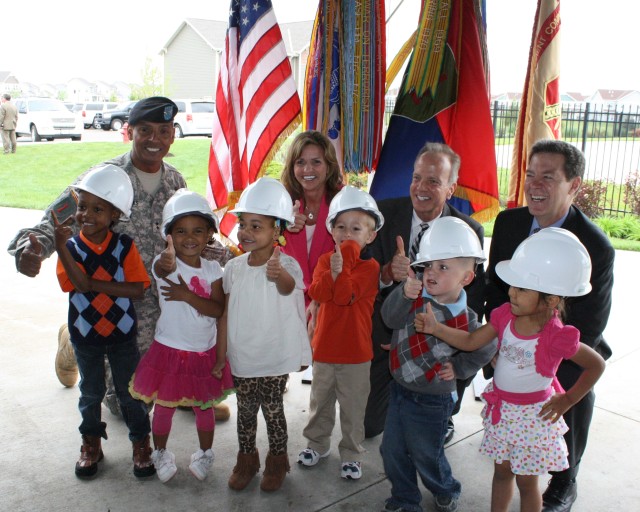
(590, 197)
(611, 226)
(631, 228)
(620, 227)
(359, 180)
(632, 192)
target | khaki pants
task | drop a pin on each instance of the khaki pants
(9, 141)
(349, 385)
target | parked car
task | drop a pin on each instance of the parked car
(194, 117)
(88, 111)
(46, 118)
(114, 119)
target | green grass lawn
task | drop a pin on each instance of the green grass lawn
(37, 173)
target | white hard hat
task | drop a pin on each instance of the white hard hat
(449, 237)
(550, 261)
(352, 198)
(111, 183)
(266, 196)
(185, 202)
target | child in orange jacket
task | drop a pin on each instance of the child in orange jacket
(345, 284)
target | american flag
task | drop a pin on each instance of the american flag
(257, 104)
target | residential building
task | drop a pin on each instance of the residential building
(191, 56)
(8, 83)
(621, 98)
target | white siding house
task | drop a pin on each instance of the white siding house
(191, 56)
(620, 98)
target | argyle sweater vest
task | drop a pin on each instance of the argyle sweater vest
(418, 357)
(97, 318)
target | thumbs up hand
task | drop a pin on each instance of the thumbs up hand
(426, 322)
(412, 286)
(399, 267)
(274, 268)
(336, 261)
(167, 260)
(61, 233)
(31, 257)
(300, 219)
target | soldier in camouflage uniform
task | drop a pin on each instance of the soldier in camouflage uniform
(152, 132)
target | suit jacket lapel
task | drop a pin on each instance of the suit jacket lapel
(401, 222)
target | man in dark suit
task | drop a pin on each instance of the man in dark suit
(554, 175)
(433, 182)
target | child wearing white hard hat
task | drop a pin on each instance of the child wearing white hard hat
(177, 369)
(103, 273)
(345, 284)
(525, 402)
(263, 329)
(425, 368)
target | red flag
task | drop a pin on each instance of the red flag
(444, 97)
(257, 104)
(540, 108)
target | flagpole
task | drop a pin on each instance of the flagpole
(394, 11)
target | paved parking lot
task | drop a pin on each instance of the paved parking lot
(88, 135)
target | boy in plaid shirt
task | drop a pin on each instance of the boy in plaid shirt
(424, 368)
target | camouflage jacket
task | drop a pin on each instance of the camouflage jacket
(146, 214)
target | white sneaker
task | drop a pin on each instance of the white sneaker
(165, 463)
(307, 375)
(200, 463)
(309, 457)
(351, 470)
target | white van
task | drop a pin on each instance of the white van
(194, 117)
(88, 111)
(46, 118)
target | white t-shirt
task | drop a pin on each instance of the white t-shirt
(266, 331)
(516, 367)
(180, 326)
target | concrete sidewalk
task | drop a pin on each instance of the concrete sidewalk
(40, 440)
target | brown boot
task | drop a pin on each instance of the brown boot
(221, 412)
(142, 463)
(276, 468)
(247, 466)
(90, 455)
(66, 366)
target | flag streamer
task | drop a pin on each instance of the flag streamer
(345, 79)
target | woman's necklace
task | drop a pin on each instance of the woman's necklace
(309, 213)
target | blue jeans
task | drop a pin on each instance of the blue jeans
(123, 359)
(414, 442)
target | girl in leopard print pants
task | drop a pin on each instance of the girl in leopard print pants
(265, 393)
(263, 331)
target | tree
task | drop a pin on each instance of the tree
(151, 82)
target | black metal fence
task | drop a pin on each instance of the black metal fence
(608, 135)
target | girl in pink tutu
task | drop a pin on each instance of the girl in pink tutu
(177, 369)
(525, 402)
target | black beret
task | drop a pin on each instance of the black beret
(156, 109)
